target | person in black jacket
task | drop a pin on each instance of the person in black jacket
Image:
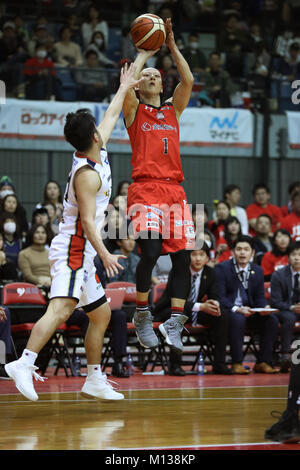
(285, 296)
(202, 284)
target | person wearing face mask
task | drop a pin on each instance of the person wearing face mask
(11, 205)
(97, 44)
(41, 82)
(6, 187)
(193, 54)
(12, 238)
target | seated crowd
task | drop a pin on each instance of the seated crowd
(42, 59)
(241, 251)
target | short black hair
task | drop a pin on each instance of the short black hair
(32, 231)
(265, 215)
(293, 247)
(244, 239)
(229, 188)
(79, 129)
(260, 186)
(204, 248)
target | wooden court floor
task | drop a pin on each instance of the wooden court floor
(159, 412)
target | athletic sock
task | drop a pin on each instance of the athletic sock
(142, 306)
(29, 356)
(177, 311)
(94, 369)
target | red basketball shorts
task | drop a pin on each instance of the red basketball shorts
(159, 209)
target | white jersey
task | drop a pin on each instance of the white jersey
(71, 221)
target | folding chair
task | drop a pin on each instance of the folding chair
(129, 303)
(26, 305)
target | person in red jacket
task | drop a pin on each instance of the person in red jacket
(261, 205)
(278, 256)
(288, 209)
(41, 76)
(292, 221)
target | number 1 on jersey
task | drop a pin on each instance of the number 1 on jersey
(165, 141)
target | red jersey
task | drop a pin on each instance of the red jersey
(292, 223)
(271, 262)
(254, 210)
(154, 138)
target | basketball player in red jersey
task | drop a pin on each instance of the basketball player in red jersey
(156, 201)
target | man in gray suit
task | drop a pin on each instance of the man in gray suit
(285, 296)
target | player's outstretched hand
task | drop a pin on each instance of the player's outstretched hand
(111, 264)
(170, 41)
(127, 77)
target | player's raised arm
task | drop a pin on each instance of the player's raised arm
(127, 81)
(131, 102)
(182, 93)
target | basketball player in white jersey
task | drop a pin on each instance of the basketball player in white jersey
(73, 250)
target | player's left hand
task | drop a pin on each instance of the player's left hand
(127, 76)
(111, 264)
(170, 41)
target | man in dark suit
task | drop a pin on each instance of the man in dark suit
(202, 284)
(285, 295)
(241, 288)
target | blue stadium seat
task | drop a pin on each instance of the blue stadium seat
(68, 85)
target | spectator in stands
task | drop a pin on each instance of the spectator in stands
(114, 227)
(41, 36)
(217, 82)
(216, 226)
(258, 62)
(193, 54)
(288, 208)
(53, 194)
(68, 52)
(289, 66)
(169, 75)
(73, 23)
(8, 270)
(118, 324)
(6, 187)
(161, 270)
(10, 204)
(241, 288)
(292, 221)
(202, 283)
(95, 22)
(97, 45)
(232, 232)
(41, 76)
(233, 41)
(122, 188)
(21, 30)
(261, 205)
(41, 216)
(5, 335)
(33, 260)
(92, 79)
(285, 295)
(278, 256)
(262, 242)
(128, 49)
(51, 209)
(13, 53)
(12, 237)
(232, 195)
(126, 247)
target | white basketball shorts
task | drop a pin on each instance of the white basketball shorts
(73, 272)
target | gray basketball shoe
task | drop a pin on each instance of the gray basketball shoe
(171, 330)
(144, 329)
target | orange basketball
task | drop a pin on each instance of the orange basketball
(148, 32)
